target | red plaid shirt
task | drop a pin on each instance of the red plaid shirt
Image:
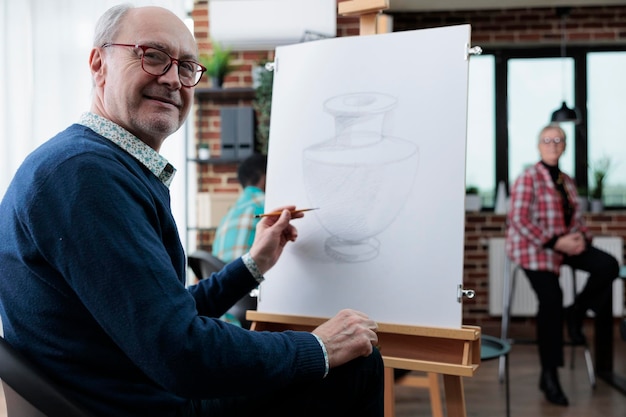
(536, 216)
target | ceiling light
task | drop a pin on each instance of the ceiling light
(564, 114)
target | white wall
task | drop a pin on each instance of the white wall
(45, 83)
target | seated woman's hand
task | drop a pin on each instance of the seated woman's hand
(571, 244)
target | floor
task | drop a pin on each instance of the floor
(485, 395)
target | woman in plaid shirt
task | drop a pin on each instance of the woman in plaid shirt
(546, 230)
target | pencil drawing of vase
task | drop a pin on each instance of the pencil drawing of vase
(360, 178)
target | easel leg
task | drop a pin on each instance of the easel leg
(435, 394)
(367, 24)
(390, 397)
(455, 398)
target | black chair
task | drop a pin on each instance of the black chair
(203, 264)
(30, 393)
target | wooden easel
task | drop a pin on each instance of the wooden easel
(369, 12)
(454, 353)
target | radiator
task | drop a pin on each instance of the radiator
(524, 301)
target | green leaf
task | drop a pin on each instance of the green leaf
(219, 63)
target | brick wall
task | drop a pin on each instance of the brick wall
(222, 178)
(513, 27)
(480, 227)
(528, 27)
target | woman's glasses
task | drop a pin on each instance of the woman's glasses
(556, 140)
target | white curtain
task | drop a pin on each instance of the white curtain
(45, 83)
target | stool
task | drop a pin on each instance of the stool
(508, 291)
(622, 326)
(492, 348)
(430, 381)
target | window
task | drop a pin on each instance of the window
(533, 96)
(606, 121)
(480, 161)
(512, 94)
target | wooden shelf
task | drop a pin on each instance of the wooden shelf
(216, 161)
(202, 229)
(225, 94)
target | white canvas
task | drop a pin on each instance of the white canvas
(372, 130)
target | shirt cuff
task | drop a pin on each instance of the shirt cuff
(325, 352)
(252, 267)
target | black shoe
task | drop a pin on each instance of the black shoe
(549, 384)
(574, 320)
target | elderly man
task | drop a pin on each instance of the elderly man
(92, 270)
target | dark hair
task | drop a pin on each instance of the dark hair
(252, 169)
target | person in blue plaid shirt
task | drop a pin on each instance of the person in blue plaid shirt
(235, 233)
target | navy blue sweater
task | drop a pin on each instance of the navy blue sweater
(92, 290)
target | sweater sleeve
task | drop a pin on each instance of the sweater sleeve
(106, 227)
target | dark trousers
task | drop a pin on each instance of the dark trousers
(354, 389)
(596, 295)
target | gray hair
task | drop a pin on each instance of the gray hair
(109, 24)
(550, 127)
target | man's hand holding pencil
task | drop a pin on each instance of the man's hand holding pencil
(273, 232)
(279, 212)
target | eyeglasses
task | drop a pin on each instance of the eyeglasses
(157, 62)
(556, 140)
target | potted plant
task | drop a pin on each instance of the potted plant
(599, 170)
(472, 199)
(218, 64)
(263, 106)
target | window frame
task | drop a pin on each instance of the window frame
(579, 55)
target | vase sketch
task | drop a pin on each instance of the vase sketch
(361, 177)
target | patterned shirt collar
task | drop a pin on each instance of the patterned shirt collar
(147, 156)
